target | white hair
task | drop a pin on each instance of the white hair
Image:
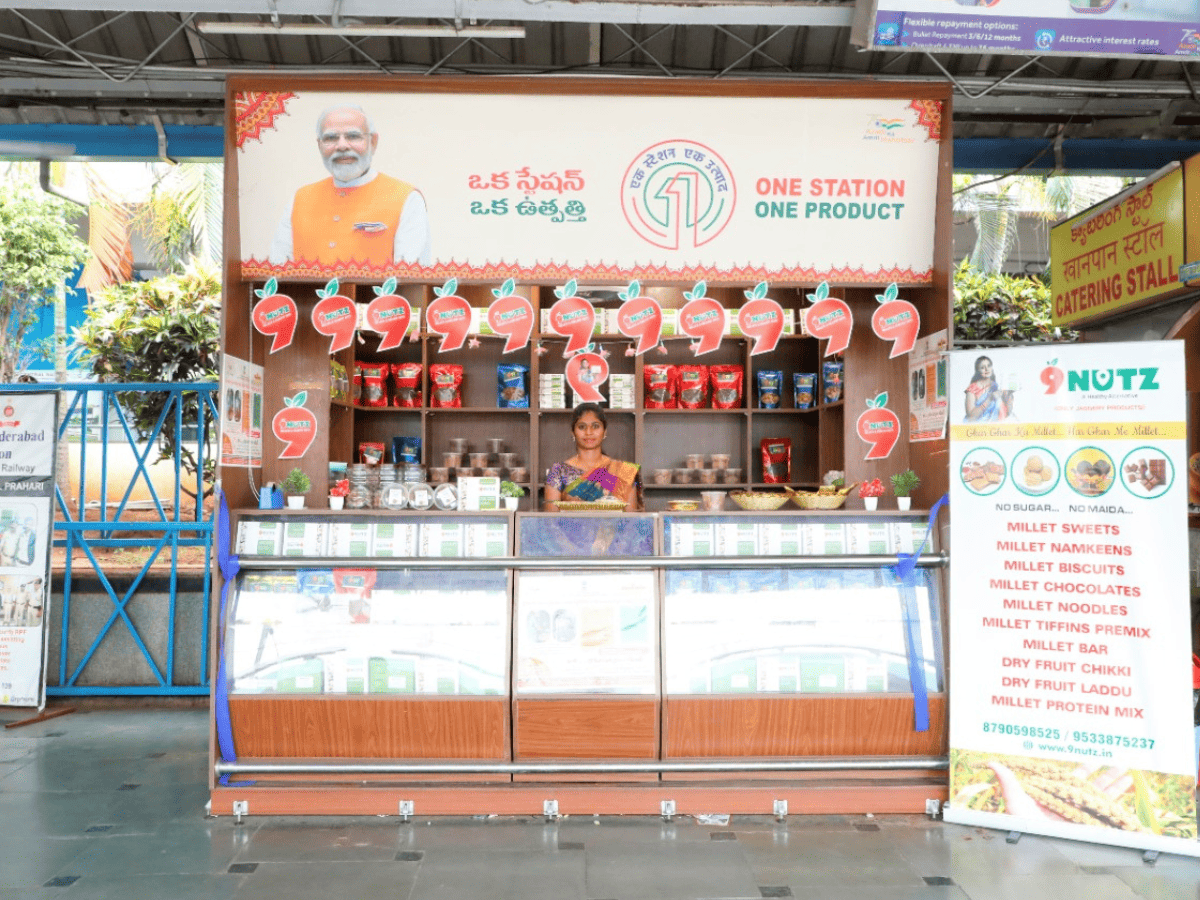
(340, 106)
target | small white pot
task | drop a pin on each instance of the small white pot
(870, 502)
(512, 502)
(337, 502)
(295, 501)
(904, 502)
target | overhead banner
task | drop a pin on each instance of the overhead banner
(589, 185)
(1135, 28)
(1071, 713)
(27, 443)
(1123, 253)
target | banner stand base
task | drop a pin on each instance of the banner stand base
(1149, 843)
(41, 717)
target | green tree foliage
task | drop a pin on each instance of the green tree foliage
(38, 251)
(1002, 308)
(163, 330)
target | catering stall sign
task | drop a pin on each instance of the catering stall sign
(603, 181)
(1190, 271)
(241, 438)
(1121, 254)
(1129, 28)
(1071, 713)
(28, 428)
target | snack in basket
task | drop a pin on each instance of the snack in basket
(758, 501)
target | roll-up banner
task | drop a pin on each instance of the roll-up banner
(27, 442)
(1071, 706)
(573, 182)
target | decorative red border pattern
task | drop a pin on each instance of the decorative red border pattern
(254, 268)
(929, 114)
(256, 112)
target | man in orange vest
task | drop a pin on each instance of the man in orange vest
(358, 215)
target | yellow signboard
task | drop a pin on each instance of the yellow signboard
(1191, 209)
(1119, 256)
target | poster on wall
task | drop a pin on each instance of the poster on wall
(420, 184)
(1110, 28)
(928, 406)
(1071, 713)
(241, 413)
(27, 449)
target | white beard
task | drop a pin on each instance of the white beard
(348, 170)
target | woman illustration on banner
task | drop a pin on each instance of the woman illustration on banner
(985, 401)
(590, 474)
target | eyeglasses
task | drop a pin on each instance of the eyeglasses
(333, 138)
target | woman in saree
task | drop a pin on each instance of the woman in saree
(984, 400)
(590, 474)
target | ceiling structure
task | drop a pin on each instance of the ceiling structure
(162, 63)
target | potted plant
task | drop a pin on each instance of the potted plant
(295, 485)
(512, 494)
(903, 484)
(337, 493)
(871, 491)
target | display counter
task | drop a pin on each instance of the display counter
(606, 661)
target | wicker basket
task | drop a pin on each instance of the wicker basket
(758, 502)
(808, 500)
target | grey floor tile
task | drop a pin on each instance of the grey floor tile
(1153, 883)
(1085, 854)
(610, 830)
(30, 860)
(1065, 887)
(826, 858)
(487, 834)
(367, 880)
(501, 875)
(277, 841)
(56, 814)
(892, 892)
(152, 806)
(174, 849)
(954, 849)
(679, 871)
(154, 887)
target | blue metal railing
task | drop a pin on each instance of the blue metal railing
(94, 412)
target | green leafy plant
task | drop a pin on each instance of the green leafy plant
(1003, 308)
(296, 482)
(167, 329)
(904, 483)
(511, 489)
(38, 251)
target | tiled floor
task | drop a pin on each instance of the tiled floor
(111, 805)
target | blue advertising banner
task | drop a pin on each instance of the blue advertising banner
(1166, 28)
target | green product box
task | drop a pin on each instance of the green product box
(305, 676)
(391, 675)
(822, 674)
(735, 676)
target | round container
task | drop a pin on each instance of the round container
(438, 474)
(695, 461)
(720, 460)
(683, 476)
(662, 476)
(731, 476)
(507, 460)
(420, 496)
(457, 445)
(682, 505)
(394, 496)
(464, 472)
(478, 460)
(707, 476)
(518, 474)
(495, 445)
(445, 496)
(491, 472)
(711, 501)
(452, 459)
(412, 473)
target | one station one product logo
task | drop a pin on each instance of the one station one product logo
(678, 195)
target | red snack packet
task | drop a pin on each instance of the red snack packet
(776, 460)
(445, 388)
(356, 386)
(661, 386)
(374, 383)
(406, 385)
(370, 452)
(693, 386)
(726, 386)
(356, 584)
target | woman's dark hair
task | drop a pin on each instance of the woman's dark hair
(976, 376)
(593, 408)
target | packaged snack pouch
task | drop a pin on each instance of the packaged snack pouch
(512, 386)
(445, 385)
(374, 383)
(804, 390)
(693, 386)
(776, 460)
(832, 377)
(406, 385)
(770, 388)
(406, 449)
(661, 386)
(370, 452)
(726, 386)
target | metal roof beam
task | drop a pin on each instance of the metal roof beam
(696, 12)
